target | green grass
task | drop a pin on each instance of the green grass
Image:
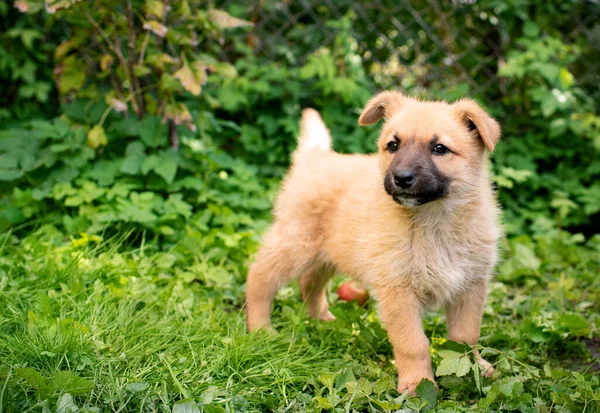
(99, 326)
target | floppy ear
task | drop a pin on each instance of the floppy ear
(476, 119)
(380, 106)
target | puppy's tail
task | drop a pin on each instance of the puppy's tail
(314, 135)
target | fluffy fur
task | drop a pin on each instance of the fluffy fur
(413, 248)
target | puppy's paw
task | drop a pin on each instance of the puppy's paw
(486, 368)
(265, 328)
(326, 315)
(411, 385)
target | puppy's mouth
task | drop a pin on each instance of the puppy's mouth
(408, 199)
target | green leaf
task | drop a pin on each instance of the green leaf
(186, 406)
(327, 380)
(516, 175)
(67, 382)
(169, 161)
(175, 204)
(120, 189)
(464, 365)
(72, 76)
(477, 375)
(61, 190)
(566, 78)
(131, 213)
(320, 65)
(96, 137)
(136, 387)
(104, 172)
(549, 71)
(512, 388)
(153, 131)
(134, 158)
(524, 257)
(89, 191)
(346, 377)
(549, 105)
(34, 379)
(449, 363)
(427, 392)
(66, 404)
(574, 323)
(10, 174)
(141, 70)
(531, 29)
(150, 164)
(164, 164)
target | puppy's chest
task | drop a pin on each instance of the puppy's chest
(439, 265)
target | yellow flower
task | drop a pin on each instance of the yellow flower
(85, 239)
(435, 343)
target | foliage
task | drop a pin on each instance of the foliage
(25, 71)
(99, 325)
(248, 107)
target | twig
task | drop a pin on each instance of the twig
(144, 46)
(131, 61)
(110, 44)
(132, 91)
(173, 134)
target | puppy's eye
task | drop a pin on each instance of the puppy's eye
(440, 149)
(393, 145)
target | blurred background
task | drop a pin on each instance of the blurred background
(150, 137)
(198, 103)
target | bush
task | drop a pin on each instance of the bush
(163, 103)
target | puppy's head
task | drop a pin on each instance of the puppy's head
(430, 150)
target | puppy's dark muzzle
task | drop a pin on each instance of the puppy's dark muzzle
(410, 188)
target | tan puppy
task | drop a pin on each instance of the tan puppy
(417, 223)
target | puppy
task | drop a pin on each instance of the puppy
(417, 223)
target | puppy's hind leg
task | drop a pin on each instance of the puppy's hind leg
(313, 284)
(277, 263)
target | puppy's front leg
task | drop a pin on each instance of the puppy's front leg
(464, 320)
(401, 312)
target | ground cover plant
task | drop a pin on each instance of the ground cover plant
(141, 146)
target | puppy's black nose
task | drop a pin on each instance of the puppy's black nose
(404, 179)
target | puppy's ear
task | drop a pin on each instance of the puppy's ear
(478, 121)
(380, 106)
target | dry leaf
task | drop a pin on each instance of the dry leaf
(157, 28)
(118, 105)
(106, 61)
(180, 115)
(22, 6)
(226, 21)
(52, 6)
(192, 78)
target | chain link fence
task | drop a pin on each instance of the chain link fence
(413, 44)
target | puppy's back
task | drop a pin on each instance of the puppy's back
(320, 178)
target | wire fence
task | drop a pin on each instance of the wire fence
(412, 43)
